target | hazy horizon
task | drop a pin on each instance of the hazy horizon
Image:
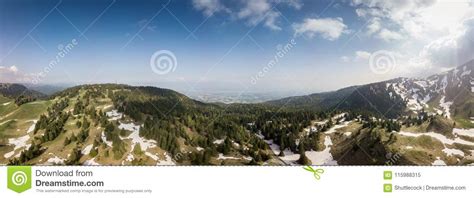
(263, 46)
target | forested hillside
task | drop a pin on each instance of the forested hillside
(400, 121)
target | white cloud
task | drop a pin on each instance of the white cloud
(396, 10)
(419, 19)
(257, 11)
(388, 35)
(439, 55)
(12, 74)
(8, 70)
(357, 57)
(329, 28)
(345, 59)
(432, 35)
(292, 3)
(362, 55)
(404, 14)
(452, 50)
(209, 7)
(366, 12)
(253, 12)
(374, 26)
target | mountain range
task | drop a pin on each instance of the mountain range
(418, 121)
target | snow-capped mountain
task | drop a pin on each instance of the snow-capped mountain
(450, 94)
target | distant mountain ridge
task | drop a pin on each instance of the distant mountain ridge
(13, 90)
(449, 93)
(116, 124)
(47, 89)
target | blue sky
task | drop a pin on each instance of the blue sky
(222, 45)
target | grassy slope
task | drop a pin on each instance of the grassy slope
(16, 122)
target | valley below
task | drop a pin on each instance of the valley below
(403, 121)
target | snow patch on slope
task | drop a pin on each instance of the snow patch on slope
(32, 127)
(167, 162)
(222, 157)
(114, 115)
(87, 150)
(438, 162)
(464, 132)
(91, 162)
(19, 142)
(220, 141)
(450, 152)
(135, 136)
(54, 160)
(152, 156)
(334, 128)
(439, 137)
(322, 157)
(104, 139)
(446, 106)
